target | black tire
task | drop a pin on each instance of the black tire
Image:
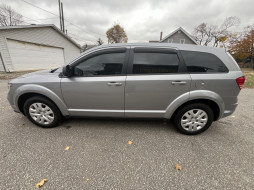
(57, 117)
(180, 113)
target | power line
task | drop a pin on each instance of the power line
(36, 20)
(39, 8)
(78, 38)
(64, 19)
(48, 18)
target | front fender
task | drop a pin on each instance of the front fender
(33, 88)
(195, 95)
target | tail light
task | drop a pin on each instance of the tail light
(240, 82)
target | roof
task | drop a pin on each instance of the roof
(153, 41)
(219, 52)
(41, 26)
(186, 33)
(189, 47)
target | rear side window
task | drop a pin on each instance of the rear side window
(155, 63)
(200, 62)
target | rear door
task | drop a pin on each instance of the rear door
(156, 77)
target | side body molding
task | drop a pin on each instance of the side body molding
(195, 95)
(33, 88)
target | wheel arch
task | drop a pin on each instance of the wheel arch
(209, 98)
(215, 108)
(27, 91)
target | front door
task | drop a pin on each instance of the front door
(155, 79)
(97, 87)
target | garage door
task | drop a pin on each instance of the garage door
(29, 56)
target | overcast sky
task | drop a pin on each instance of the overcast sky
(143, 20)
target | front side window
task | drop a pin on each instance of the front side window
(101, 65)
(155, 63)
(201, 62)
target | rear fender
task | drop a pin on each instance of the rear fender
(195, 95)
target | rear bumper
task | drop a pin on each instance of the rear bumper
(229, 110)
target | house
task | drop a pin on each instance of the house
(179, 36)
(34, 47)
(87, 47)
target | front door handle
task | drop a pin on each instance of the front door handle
(114, 84)
(178, 82)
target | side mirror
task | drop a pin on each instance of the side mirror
(68, 71)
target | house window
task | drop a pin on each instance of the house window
(170, 40)
(182, 41)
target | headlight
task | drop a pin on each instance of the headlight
(9, 85)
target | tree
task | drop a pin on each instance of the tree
(242, 48)
(99, 41)
(116, 34)
(9, 17)
(213, 35)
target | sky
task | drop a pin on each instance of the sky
(143, 20)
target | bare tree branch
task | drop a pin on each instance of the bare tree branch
(9, 17)
(213, 35)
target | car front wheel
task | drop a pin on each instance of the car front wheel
(194, 118)
(42, 112)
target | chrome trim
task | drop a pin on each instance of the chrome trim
(94, 110)
(145, 111)
(117, 111)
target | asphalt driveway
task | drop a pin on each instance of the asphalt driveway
(99, 156)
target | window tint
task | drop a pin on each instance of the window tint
(203, 62)
(148, 63)
(104, 64)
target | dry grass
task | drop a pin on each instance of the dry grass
(8, 76)
(249, 78)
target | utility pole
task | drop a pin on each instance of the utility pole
(60, 15)
(161, 36)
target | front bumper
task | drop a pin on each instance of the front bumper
(10, 100)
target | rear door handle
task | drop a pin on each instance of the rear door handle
(114, 84)
(178, 82)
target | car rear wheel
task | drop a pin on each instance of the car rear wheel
(194, 118)
(42, 112)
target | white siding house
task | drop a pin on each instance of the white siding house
(179, 36)
(35, 47)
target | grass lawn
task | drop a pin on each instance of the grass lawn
(249, 77)
(8, 76)
(248, 73)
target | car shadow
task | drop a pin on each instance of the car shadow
(117, 123)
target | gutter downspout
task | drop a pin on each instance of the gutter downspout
(2, 61)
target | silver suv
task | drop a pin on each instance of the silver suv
(193, 85)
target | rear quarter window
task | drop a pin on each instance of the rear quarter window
(201, 62)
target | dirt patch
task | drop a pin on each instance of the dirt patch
(249, 79)
(12, 75)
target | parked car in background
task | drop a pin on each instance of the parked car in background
(193, 85)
